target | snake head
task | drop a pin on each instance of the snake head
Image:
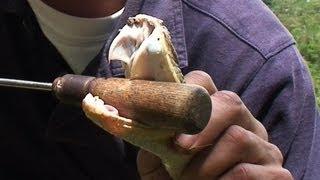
(144, 47)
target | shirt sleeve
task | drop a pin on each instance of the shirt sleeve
(281, 96)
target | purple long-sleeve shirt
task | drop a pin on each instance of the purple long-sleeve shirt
(241, 44)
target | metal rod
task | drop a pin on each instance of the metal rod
(25, 84)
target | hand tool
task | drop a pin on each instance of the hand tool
(154, 103)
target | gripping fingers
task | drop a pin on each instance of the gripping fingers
(256, 172)
(228, 110)
(237, 145)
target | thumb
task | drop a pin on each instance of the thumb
(151, 167)
(201, 78)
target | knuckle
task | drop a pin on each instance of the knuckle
(276, 153)
(238, 136)
(233, 103)
(230, 97)
(201, 74)
(197, 76)
(284, 174)
(240, 172)
(261, 131)
(201, 78)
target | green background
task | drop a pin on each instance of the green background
(302, 18)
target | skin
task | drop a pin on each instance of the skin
(234, 145)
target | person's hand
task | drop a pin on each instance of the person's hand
(234, 145)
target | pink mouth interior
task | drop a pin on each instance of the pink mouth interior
(111, 109)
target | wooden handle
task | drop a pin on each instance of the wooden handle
(186, 108)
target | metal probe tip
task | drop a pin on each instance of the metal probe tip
(42, 86)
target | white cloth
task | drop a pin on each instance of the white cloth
(78, 39)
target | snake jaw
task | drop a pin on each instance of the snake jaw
(105, 116)
(156, 140)
(145, 49)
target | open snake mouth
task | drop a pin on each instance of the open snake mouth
(145, 49)
(107, 117)
(134, 35)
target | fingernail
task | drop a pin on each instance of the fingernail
(185, 141)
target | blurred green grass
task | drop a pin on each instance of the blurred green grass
(302, 18)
